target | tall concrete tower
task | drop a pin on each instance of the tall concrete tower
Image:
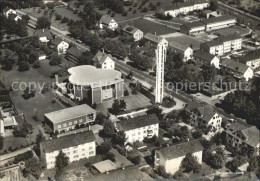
(161, 52)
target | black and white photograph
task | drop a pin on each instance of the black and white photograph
(129, 90)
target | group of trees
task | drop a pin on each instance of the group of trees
(118, 106)
(190, 164)
(115, 5)
(1, 142)
(141, 62)
(43, 22)
(61, 162)
(23, 129)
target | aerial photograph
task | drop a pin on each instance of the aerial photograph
(129, 90)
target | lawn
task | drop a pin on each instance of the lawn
(149, 26)
(40, 104)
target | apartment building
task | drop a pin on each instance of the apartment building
(239, 135)
(203, 116)
(231, 42)
(170, 157)
(67, 119)
(219, 22)
(75, 146)
(138, 128)
(214, 47)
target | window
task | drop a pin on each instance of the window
(59, 126)
(91, 153)
(64, 124)
(90, 148)
(133, 134)
(84, 154)
(76, 156)
(139, 133)
(83, 149)
(75, 122)
(70, 123)
(80, 121)
(75, 151)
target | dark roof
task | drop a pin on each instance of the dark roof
(252, 136)
(207, 11)
(130, 29)
(137, 122)
(168, 8)
(12, 16)
(6, 9)
(185, 4)
(217, 19)
(193, 24)
(231, 37)
(152, 37)
(68, 141)
(181, 149)
(234, 65)
(100, 57)
(206, 111)
(56, 41)
(131, 172)
(75, 51)
(43, 32)
(212, 43)
(203, 55)
(106, 19)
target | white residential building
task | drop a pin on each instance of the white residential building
(185, 51)
(203, 116)
(8, 11)
(237, 69)
(204, 58)
(44, 35)
(214, 47)
(192, 28)
(61, 45)
(135, 33)
(108, 22)
(75, 146)
(138, 128)
(231, 42)
(104, 61)
(170, 157)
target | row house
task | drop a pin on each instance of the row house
(75, 146)
(67, 119)
(203, 115)
(170, 157)
(219, 22)
(239, 135)
(138, 128)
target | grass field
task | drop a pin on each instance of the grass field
(149, 26)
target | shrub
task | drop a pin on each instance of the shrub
(110, 156)
(22, 157)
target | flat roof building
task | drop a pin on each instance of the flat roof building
(95, 85)
(192, 28)
(219, 22)
(67, 119)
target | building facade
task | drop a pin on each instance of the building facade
(75, 146)
(67, 119)
(170, 158)
(133, 32)
(108, 22)
(219, 22)
(204, 58)
(139, 128)
(192, 28)
(104, 61)
(60, 45)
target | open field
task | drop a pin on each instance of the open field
(149, 26)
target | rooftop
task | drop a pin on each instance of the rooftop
(90, 75)
(68, 113)
(100, 57)
(182, 40)
(131, 172)
(130, 29)
(252, 135)
(203, 55)
(181, 149)
(43, 33)
(106, 19)
(153, 37)
(217, 19)
(137, 122)
(68, 141)
(234, 65)
(193, 24)
(230, 37)
(56, 41)
(206, 111)
(212, 43)
(104, 166)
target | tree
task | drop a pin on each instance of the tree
(108, 129)
(236, 162)
(78, 29)
(122, 104)
(55, 60)
(21, 29)
(120, 138)
(111, 156)
(209, 73)
(26, 18)
(190, 164)
(213, 5)
(58, 17)
(116, 107)
(23, 66)
(61, 162)
(155, 110)
(43, 22)
(1, 142)
(33, 166)
(33, 56)
(23, 129)
(103, 148)
(217, 161)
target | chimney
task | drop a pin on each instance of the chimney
(57, 78)
(43, 30)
